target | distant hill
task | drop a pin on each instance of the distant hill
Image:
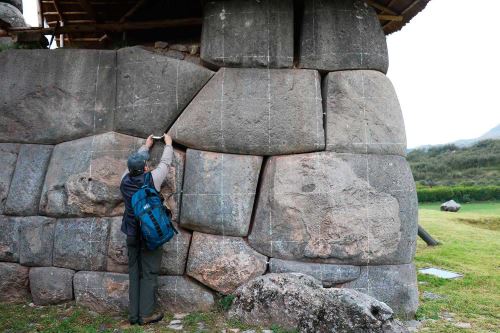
(478, 164)
(493, 134)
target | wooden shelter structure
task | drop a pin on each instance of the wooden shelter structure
(93, 23)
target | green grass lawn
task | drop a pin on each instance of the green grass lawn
(470, 244)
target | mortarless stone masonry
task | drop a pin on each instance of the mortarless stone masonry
(276, 169)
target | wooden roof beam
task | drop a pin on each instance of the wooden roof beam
(383, 17)
(87, 6)
(132, 10)
(381, 7)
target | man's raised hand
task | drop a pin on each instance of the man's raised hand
(168, 139)
(149, 141)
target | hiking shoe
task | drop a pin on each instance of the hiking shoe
(153, 318)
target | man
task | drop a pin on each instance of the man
(143, 265)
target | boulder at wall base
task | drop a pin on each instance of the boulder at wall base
(395, 285)
(174, 255)
(51, 285)
(298, 301)
(336, 208)
(219, 191)
(266, 27)
(182, 294)
(8, 158)
(153, 89)
(43, 106)
(342, 35)
(13, 283)
(450, 206)
(27, 181)
(256, 112)
(80, 244)
(84, 175)
(223, 263)
(362, 114)
(36, 240)
(102, 291)
(329, 274)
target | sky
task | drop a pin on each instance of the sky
(445, 66)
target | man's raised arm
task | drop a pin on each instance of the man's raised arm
(161, 171)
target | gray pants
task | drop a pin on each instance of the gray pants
(143, 268)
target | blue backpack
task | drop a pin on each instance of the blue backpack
(152, 216)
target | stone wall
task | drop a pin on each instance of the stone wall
(283, 162)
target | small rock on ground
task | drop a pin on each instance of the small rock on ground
(431, 296)
(462, 325)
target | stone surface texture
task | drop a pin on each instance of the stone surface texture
(9, 238)
(395, 285)
(182, 294)
(265, 26)
(153, 89)
(36, 240)
(80, 243)
(329, 274)
(51, 285)
(45, 106)
(219, 191)
(8, 158)
(27, 182)
(341, 35)
(335, 208)
(13, 283)
(255, 111)
(298, 301)
(362, 114)
(12, 15)
(102, 291)
(223, 263)
(450, 206)
(84, 175)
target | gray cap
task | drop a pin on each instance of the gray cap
(136, 162)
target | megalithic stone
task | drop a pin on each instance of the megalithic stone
(256, 112)
(362, 114)
(62, 94)
(219, 191)
(8, 158)
(341, 35)
(266, 27)
(336, 208)
(153, 89)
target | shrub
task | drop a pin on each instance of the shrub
(458, 193)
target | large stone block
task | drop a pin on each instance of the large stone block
(341, 35)
(27, 182)
(61, 95)
(362, 114)
(255, 111)
(51, 285)
(181, 294)
(329, 274)
(223, 263)
(219, 191)
(175, 253)
(8, 158)
(84, 175)
(36, 240)
(117, 254)
(395, 285)
(172, 185)
(9, 238)
(13, 283)
(102, 291)
(80, 244)
(336, 208)
(153, 89)
(265, 26)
